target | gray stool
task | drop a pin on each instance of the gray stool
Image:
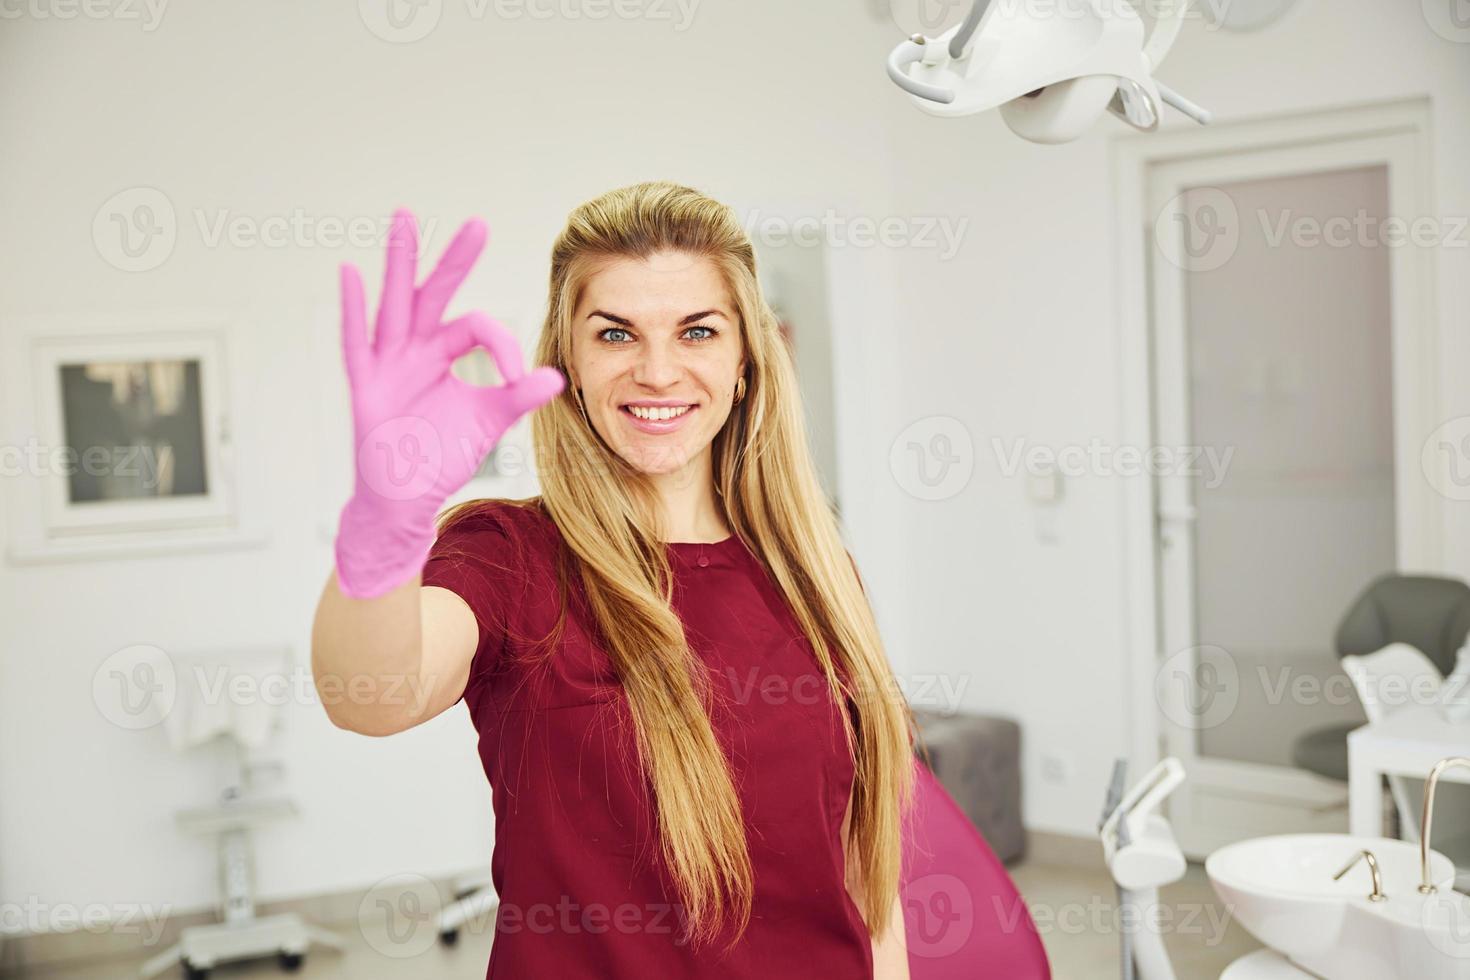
(977, 759)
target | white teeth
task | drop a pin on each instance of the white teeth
(657, 414)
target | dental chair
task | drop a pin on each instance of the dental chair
(963, 918)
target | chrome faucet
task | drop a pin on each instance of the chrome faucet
(1377, 895)
(1426, 886)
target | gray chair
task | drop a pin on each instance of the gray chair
(977, 759)
(1427, 612)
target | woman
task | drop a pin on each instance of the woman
(654, 650)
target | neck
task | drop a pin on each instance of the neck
(691, 511)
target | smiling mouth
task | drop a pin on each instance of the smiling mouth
(665, 413)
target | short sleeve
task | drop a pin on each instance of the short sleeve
(479, 558)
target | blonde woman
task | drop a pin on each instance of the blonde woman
(655, 649)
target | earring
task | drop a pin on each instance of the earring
(739, 390)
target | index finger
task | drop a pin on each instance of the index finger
(436, 292)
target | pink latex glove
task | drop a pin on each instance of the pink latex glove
(420, 432)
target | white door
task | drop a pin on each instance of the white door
(1287, 362)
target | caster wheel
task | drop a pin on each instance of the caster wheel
(449, 937)
(192, 972)
(291, 962)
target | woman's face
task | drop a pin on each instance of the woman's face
(656, 350)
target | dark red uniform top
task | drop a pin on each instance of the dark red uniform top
(583, 890)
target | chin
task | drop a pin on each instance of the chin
(659, 459)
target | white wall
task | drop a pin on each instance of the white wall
(266, 109)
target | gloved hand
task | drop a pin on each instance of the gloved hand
(420, 432)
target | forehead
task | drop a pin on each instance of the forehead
(664, 286)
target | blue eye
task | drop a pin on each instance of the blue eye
(712, 334)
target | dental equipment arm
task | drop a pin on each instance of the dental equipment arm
(1051, 75)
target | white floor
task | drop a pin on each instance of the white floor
(1075, 911)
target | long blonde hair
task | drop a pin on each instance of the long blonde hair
(608, 515)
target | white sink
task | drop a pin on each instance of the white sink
(1281, 889)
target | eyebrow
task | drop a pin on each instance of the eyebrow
(623, 321)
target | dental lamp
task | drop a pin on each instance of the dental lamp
(1052, 67)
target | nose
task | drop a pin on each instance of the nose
(659, 367)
